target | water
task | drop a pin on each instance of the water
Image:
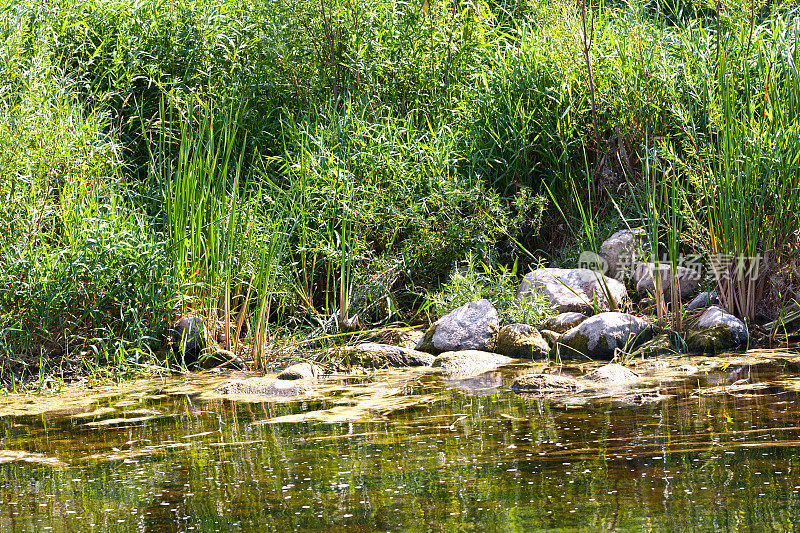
(719, 452)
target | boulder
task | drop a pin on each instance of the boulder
(703, 300)
(220, 358)
(663, 344)
(600, 335)
(521, 341)
(576, 289)
(470, 327)
(546, 384)
(612, 374)
(301, 371)
(258, 386)
(188, 337)
(552, 337)
(622, 251)
(468, 362)
(377, 355)
(564, 322)
(688, 279)
(717, 331)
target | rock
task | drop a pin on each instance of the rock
(663, 344)
(622, 250)
(521, 341)
(688, 280)
(716, 332)
(612, 374)
(468, 362)
(577, 289)
(301, 371)
(551, 337)
(703, 300)
(377, 355)
(546, 384)
(601, 335)
(564, 322)
(221, 359)
(485, 384)
(470, 327)
(257, 386)
(188, 337)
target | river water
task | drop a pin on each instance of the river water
(409, 451)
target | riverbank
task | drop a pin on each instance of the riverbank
(379, 166)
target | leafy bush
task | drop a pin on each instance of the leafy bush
(476, 280)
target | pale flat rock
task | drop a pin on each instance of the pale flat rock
(301, 371)
(576, 289)
(378, 355)
(546, 384)
(612, 374)
(468, 362)
(270, 387)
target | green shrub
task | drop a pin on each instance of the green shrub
(475, 280)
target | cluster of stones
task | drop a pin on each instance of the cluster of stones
(470, 340)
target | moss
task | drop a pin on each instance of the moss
(711, 340)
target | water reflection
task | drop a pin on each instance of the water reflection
(713, 453)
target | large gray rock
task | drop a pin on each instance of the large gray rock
(564, 322)
(576, 289)
(688, 279)
(468, 362)
(470, 327)
(378, 355)
(521, 341)
(703, 300)
(622, 251)
(716, 332)
(600, 335)
(301, 371)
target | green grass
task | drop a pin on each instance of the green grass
(268, 165)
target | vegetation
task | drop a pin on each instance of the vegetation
(274, 165)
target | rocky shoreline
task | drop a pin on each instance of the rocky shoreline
(590, 326)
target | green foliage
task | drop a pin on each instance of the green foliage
(476, 280)
(304, 162)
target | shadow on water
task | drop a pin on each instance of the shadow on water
(698, 443)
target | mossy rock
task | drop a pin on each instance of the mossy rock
(711, 340)
(521, 341)
(552, 337)
(669, 343)
(717, 331)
